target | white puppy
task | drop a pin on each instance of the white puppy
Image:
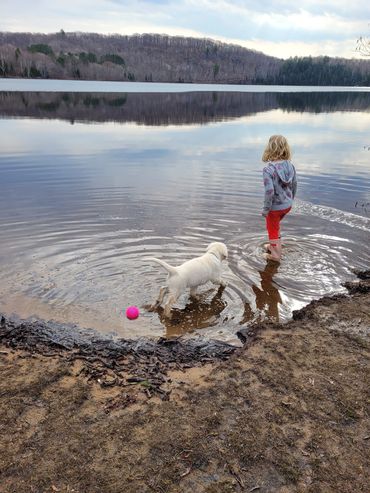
(191, 274)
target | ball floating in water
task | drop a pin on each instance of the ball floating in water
(132, 312)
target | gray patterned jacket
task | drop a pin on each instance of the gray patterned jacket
(280, 181)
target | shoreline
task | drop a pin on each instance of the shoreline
(71, 343)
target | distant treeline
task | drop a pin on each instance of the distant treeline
(172, 109)
(160, 58)
(323, 71)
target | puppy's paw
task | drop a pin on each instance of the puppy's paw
(153, 307)
(167, 314)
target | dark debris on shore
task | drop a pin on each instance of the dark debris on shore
(111, 362)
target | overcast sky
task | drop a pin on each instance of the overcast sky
(281, 28)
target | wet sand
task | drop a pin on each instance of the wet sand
(287, 412)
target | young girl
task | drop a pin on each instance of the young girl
(279, 178)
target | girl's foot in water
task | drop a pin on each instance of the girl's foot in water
(274, 251)
(268, 256)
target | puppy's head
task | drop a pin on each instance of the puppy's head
(218, 249)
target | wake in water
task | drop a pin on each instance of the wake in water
(333, 215)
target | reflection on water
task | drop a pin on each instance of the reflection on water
(267, 295)
(198, 314)
(82, 206)
(171, 109)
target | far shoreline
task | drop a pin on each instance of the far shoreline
(69, 85)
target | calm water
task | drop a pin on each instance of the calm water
(48, 85)
(92, 184)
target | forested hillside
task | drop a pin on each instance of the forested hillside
(161, 58)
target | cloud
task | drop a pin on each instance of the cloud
(285, 49)
(280, 28)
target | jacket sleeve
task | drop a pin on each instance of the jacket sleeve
(269, 191)
(294, 184)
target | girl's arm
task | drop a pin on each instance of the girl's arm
(294, 184)
(269, 192)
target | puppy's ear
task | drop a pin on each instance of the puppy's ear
(225, 253)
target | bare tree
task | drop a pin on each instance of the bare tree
(363, 46)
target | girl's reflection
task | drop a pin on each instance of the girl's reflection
(268, 296)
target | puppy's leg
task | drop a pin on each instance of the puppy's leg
(220, 282)
(172, 298)
(193, 293)
(161, 295)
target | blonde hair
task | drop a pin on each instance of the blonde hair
(276, 149)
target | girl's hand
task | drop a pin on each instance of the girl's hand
(264, 213)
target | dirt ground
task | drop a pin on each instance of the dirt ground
(288, 412)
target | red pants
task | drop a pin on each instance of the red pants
(273, 219)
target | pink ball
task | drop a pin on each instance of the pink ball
(132, 312)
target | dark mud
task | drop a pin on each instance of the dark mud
(40, 335)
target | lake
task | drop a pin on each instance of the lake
(93, 183)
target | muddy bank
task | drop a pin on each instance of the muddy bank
(287, 412)
(107, 360)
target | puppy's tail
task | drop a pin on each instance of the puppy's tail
(168, 267)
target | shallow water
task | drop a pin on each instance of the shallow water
(93, 184)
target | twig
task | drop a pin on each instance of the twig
(185, 473)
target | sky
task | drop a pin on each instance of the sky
(281, 28)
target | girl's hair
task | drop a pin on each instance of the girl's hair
(276, 149)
